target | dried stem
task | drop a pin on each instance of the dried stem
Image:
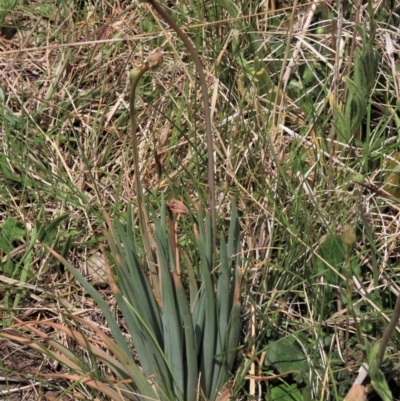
(204, 89)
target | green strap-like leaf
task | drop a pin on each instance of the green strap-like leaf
(172, 325)
(209, 336)
(123, 351)
(191, 372)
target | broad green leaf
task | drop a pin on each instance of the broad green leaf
(286, 357)
(11, 230)
(333, 254)
(286, 392)
(380, 385)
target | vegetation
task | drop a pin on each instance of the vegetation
(129, 271)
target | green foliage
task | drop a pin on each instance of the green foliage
(47, 233)
(285, 356)
(185, 341)
(380, 385)
(5, 7)
(364, 76)
(378, 379)
(11, 232)
(186, 335)
(332, 254)
(285, 392)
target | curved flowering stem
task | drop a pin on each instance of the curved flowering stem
(151, 63)
(199, 67)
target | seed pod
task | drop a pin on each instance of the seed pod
(155, 60)
(348, 235)
(133, 74)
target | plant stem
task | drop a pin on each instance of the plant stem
(138, 188)
(388, 332)
(204, 89)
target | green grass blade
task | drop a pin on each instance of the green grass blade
(191, 368)
(193, 289)
(223, 312)
(208, 295)
(235, 324)
(134, 283)
(122, 351)
(172, 324)
(139, 307)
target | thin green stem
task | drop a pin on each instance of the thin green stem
(388, 332)
(139, 193)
